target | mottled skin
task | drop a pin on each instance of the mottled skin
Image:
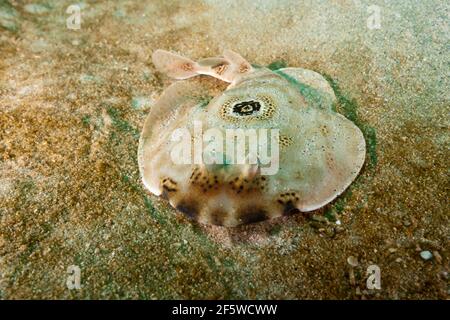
(321, 152)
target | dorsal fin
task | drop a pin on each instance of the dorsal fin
(174, 65)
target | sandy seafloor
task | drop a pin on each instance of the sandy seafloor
(72, 104)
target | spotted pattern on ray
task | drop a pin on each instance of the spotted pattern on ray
(320, 151)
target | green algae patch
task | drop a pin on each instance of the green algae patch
(275, 230)
(8, 17)
(86, 120)
(371, 140)
(122, 125)
(160, 219)
(338, 206)
(204, 101)
(38, 8)
(153, 212)
(277, 64)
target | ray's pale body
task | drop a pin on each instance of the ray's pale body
(320, 151)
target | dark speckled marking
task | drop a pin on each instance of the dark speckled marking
(252, 215)
(289, 209)
(165, 194)
(168, 189)
(189, 208)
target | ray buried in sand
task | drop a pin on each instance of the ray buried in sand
(218, 146)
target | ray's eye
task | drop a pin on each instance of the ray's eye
(246, 108)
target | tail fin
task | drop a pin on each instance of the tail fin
(240, 65)
(174, 65)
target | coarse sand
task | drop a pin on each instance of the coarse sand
(73, 102)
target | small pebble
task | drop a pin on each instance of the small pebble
(426, 255)
(352, 261)
(406, 222)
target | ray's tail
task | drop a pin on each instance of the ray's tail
(227, 68)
